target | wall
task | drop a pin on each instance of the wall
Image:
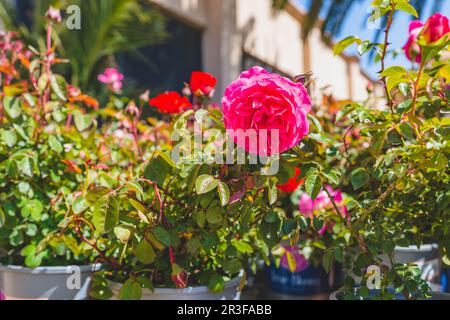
(274, 38)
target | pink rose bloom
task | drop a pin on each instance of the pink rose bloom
(260, 102)
(112, 78)
(436, 28)
(301, 263)
(412, 48)
(2, 296)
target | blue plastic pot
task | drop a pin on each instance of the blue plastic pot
(312, 281)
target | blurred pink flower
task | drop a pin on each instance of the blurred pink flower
(53, 14)
(260, 102)
(113, 78)
(412, 48)
(308, 206)
(301, 263)
(2, 296)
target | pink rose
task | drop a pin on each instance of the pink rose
(412, 48)
(301, 263)
(2, 296)
(112, 78)
(436, 28)
(260, 102)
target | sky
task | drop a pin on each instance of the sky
(356, 25)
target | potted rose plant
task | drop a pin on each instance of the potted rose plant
(399, 178)
(184, 225)
(39, 150)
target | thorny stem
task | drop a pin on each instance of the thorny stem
(383, 57)
(416, 88)
(92, 244)
(347, 222)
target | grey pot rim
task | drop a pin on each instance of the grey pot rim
(50, 270)
(421, 249)
(116, 286)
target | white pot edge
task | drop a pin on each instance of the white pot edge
(234, 283)
(50, 270)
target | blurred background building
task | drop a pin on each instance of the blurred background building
(229, 36)
(223, 37)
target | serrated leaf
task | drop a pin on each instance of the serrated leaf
(345, 43)
(313, 185)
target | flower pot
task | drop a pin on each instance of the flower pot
(46, 283)
(231, 292)
(427, 257)
(335, 296)
(310, 282)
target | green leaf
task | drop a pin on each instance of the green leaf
(80, 205)
(54, 144)
(345, 43)
(359, 178)
(242, 247)
(205, 183)
(137, 205)
(106, 214)
(2, 218)
(214, 215)
(144, 252)
(33, 209)
(9, 137)
(26, 167)
(199, 218)
(12, 107)
(273, 191)
(162, 235)
(224, 193)
(388, 246)
(157, 171)
(327, 260)
(82, 121)
(403, 5)
(59, 86)
(313, 185)
(232, 266)
(122, 234)
(95, 194)
(137, 188)
(131, 290)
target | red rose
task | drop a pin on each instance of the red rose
(202, 83)
(170, 102)
(292, 184)
(436, 28)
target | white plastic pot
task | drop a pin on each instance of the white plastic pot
(231, 292)
(46, 283)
